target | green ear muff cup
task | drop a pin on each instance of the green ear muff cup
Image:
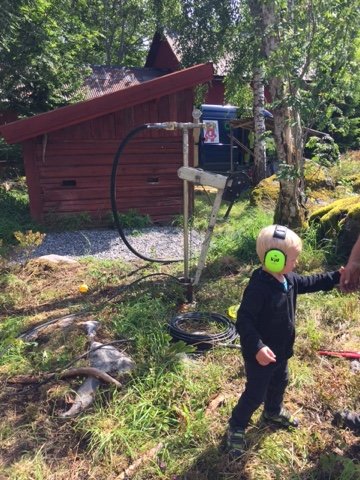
(275, 260)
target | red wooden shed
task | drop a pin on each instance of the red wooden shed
(68, 152)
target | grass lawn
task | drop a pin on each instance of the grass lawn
(168, 418)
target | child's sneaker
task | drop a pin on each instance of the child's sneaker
(236, 442)
(284, 419)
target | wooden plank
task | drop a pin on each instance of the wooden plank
(130, 189)
(103, 127)
(137, 170)
(115, 142)
(98, 151)
(166, 168)
(104, 183)
(78, 206)
(137, 177)
(109, 148)
(123, 199)
(140, 138)
(84, 205)
(148, 162)
(146, 191)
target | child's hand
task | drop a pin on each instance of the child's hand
(265, 356)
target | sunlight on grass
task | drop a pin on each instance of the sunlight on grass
(301, 374)
(166, 399)
(28, 467)
(238, 237)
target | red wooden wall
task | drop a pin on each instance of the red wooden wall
(216, 92)
(68, 171)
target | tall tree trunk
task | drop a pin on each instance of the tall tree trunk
(287, 132)
(259, 125)
(289, 209)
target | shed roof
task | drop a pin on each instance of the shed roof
(47, 122)
(107, 79)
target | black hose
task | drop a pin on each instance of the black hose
(202, 339)
(113, 198)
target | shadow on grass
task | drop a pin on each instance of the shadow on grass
(328, 464)
(215, 464)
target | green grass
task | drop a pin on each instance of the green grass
(167, 398)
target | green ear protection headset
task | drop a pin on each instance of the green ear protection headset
(275, 259)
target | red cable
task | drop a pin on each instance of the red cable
(339, 353)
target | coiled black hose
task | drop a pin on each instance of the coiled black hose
(113, 198)
(201, 339)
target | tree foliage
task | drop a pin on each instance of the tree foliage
(201, 29)
(45, 46)
(123, 30)
(304, 48)
(41, 48)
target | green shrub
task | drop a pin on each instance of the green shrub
(324, 151)
(15, 213)
(12, 155)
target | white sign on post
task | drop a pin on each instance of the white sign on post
(211, 131)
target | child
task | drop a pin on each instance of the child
(266, 325)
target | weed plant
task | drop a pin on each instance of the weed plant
(15, 213)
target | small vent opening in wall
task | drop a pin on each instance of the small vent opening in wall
(153, 180)
(69, 183)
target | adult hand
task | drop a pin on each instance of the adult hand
(265, 356)
(350, 277)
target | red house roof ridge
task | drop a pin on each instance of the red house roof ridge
(59, 118)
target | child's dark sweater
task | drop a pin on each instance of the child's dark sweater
(266, 316)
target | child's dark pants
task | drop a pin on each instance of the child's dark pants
(263, 384)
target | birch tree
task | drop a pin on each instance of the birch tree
(307, 44)
(287, 124)
(302, 49)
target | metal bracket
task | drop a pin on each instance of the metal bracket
(201, 177)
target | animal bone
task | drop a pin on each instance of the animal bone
(102, 360)
(84, 397)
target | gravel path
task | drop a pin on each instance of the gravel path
(154, 242)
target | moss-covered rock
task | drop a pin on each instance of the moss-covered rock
(340, 220)
(354, 181)
(266, 193)
(316, 177)
(318, 198)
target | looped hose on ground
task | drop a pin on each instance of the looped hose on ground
(203, 330)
